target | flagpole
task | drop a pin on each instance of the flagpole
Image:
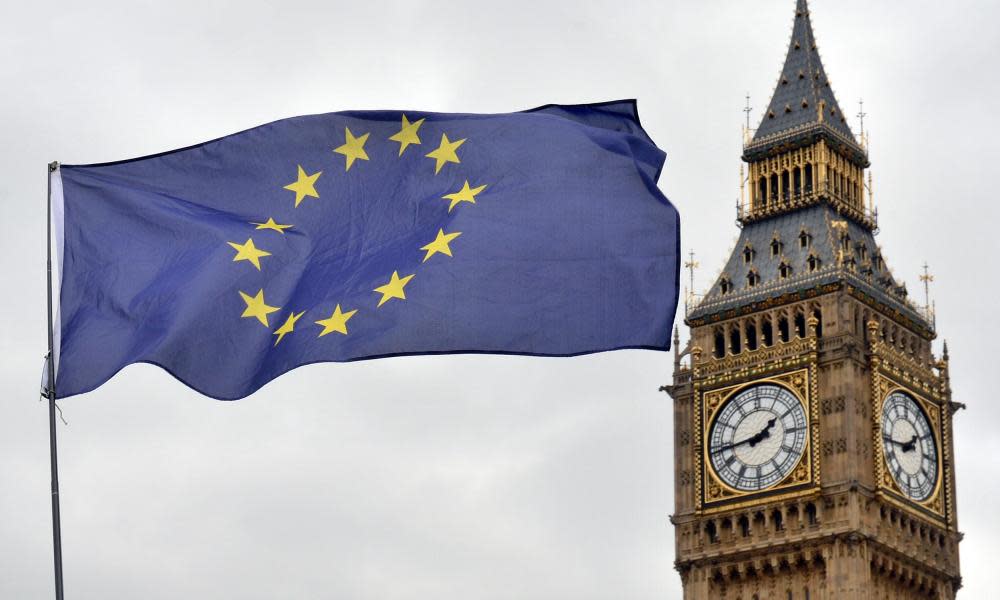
(51, 393)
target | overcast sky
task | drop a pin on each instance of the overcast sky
(452, 477)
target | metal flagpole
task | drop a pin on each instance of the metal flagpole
(51, 393)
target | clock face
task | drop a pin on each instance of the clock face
(758, 437)
(909, 446)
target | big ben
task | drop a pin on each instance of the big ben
(813, 451)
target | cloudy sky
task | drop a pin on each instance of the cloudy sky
(462, 476)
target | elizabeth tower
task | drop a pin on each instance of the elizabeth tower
(812, 423)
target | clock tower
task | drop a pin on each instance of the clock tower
(813, 452)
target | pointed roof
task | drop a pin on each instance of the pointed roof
(803, 98)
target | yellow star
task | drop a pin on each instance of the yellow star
(304, 186)
(337, 322)
(353, 148)
(408, 134)
(440, 244)
(271, 225)
(288, 327)
(249, 252)
(393, 289)
(466, 194)
(445, 153)
(256, 307)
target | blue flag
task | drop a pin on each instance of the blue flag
(367, 234)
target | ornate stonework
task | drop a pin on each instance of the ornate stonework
(806, 304)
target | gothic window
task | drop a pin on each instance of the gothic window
(748, 253)
(813, 262)
(751, 335)
(767, 332)
(713, 535)
(735, 345)
(753, 278)
(811, 514)
(720, 344)
(785, 270)
(776, 518)
(797, 181)
(819, 322)
(725, 286)
(776, 246)
(785, 186)
(761, 198)
(878, 261)
(800, 325)
(809, 178)
(774, 187)
(845, 243)
(805, 239)
(744, 526)
(863, 251)
(783, 329)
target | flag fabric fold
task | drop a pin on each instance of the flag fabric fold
(366, 234)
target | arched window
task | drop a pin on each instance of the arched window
(748, 254)
(800, 325)
(811, 514)
(805, 239)
(735, 344)
(797, 181)
(778, 520)
(761, 198)
(744, 526)
(819, 322)
(808, 186)
(776, 246)
(751, 335)
(720, 344)
(784, 270)
(753, 278)
(783, 329)
(725, 285)
(785, 186)
(710, 531)
(774, 188)
(813, 262)
(767, 332)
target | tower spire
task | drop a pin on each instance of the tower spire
(803, 88)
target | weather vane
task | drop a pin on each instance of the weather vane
(747, 110)
(927, 278)
(690, 265)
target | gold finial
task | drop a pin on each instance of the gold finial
(743, 198)
(871, 194)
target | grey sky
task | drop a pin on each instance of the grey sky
(452, 477)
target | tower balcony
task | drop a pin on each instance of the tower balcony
(789, 200)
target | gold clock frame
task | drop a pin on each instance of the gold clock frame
(888, 489)
(715, 495)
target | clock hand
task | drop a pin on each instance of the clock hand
(904, 446)
(764, 434)
(752, 440)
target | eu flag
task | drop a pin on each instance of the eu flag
(366, 234)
